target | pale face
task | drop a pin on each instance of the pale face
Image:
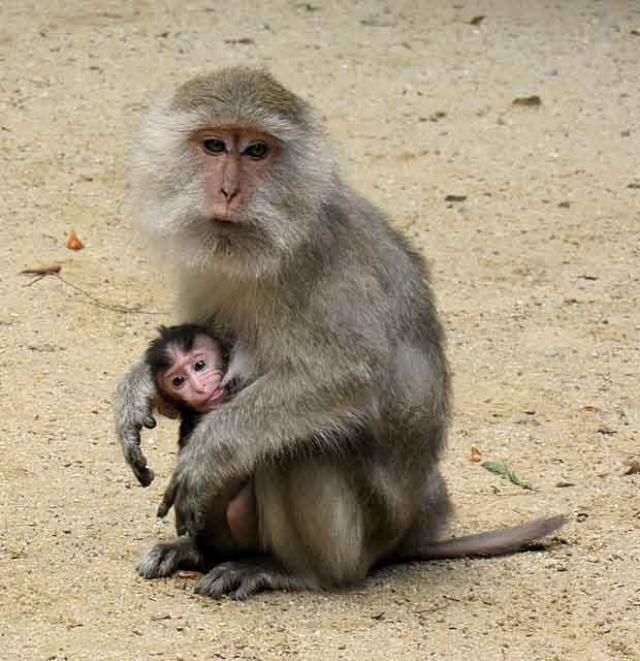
(233, 160)
(195, 376)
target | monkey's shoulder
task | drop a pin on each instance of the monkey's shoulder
(371, 258)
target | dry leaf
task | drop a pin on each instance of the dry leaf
(634, 467)
(476, 455)
(243, 41)
(73, 242)
(42, 270)
(532, 101)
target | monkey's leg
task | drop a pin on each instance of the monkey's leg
(430, 523)
(312, 527)
(165, 558)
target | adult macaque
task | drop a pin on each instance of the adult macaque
(330, 320)
(188, 369)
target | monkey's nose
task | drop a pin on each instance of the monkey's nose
(229, 191)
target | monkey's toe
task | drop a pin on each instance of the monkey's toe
(158, 561)
(238, 580)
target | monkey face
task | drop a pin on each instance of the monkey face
(230, 175)
(232, 162)
(195, 376)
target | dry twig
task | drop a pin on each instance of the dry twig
(54, 270)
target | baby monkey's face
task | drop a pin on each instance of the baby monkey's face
(195, 376)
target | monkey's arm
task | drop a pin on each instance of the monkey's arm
(133, 407)
(283, 411)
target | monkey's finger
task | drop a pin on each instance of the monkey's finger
(163, 510)
(167, 499)
(145, 475)
(138, 463)
(133, 454)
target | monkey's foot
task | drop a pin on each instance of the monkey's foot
(241, 579)
(166, 558)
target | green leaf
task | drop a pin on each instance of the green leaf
(500, 468)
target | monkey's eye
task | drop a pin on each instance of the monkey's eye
(199, 365)
(256, 150)
(177, 381)
(214, 146)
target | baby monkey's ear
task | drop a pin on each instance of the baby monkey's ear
(166, 407)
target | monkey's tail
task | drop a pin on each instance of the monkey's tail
(500, 541)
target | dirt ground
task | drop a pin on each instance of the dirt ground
(537, 273)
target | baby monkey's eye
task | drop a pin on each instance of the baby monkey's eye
(200, 365)
(177, 381)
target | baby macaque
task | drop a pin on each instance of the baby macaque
(188, 368)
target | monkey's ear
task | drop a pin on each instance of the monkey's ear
(165, 407)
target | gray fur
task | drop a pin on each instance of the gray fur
(133, 407)
(334, 326)
(166, 558)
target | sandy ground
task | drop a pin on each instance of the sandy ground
(536, 271)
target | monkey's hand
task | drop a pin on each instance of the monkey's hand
(189, 492)
(133, 407)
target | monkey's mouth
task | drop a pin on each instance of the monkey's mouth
(214, 401)
(224, 214)
(225, 224)
(221, 220)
